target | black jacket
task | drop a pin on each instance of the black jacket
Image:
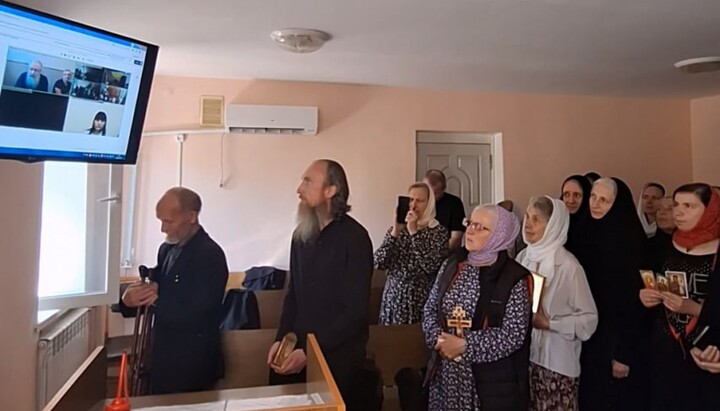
(186, 353)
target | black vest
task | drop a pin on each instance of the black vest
(503, 384)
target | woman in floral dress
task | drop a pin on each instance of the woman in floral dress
(412, 253)
(477, 321)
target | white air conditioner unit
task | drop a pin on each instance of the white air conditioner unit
(271, 119)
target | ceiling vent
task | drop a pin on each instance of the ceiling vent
(212, 111)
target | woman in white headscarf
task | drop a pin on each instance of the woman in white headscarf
(412, 254)
(567, 314)
(647, 206)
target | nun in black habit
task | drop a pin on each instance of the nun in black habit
(609, 247)
(575, 193)
(659, 245)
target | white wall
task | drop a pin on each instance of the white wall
(20, 190)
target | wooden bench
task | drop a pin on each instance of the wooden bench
(394, 347)
(270, 305)
(245, 354)
(235, 280)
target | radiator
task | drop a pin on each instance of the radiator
(62, 347)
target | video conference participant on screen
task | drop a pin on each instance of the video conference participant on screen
(33, 79)
(62, 86)
(33, 110)
(98, 124)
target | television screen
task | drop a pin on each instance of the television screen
(69, 91)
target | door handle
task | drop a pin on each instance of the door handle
(112, 199)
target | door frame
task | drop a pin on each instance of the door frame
(497, 174)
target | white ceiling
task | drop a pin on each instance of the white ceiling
(597, 47)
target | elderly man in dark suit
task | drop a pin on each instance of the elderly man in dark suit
(187, 293)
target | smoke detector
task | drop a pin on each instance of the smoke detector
(300, 40)
(699, 65)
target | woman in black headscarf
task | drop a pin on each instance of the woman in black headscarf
(575, 193)
(610, 251)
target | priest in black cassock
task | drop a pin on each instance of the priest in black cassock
(331, 264)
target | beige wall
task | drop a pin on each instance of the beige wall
(706, 139)
(371, 131)
(21, 189)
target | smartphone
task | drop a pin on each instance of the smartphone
(403, 207)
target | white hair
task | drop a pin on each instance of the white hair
(491, 208)
(607, 182)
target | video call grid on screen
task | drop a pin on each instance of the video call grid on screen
(66, 89)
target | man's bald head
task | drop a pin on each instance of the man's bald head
(178, 211)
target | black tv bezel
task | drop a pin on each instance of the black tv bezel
(141, 106)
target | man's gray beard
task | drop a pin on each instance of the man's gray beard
(31, 81)
(308, 225)
(172, 240)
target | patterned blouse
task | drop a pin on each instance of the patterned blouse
(412, 262)
(453, 386)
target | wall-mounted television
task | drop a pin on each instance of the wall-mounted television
(69, 91)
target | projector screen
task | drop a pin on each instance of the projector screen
(69, 91)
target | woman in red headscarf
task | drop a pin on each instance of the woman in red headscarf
(677, 384)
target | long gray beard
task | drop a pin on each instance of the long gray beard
(308, 225)
(31, 82)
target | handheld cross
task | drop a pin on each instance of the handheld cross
(458, 321)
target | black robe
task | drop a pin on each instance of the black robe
(186, 352)
(655, 250)
(710, 313)
(610, 251)
(329, 296)
(710, 316)
(573, 232)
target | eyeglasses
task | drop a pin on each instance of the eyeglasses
(474, 225)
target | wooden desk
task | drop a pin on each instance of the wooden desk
(80, 394)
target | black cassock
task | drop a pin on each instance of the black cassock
(329, 296)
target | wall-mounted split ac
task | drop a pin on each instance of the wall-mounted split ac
(240, 118)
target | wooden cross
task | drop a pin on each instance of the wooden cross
(458, 321)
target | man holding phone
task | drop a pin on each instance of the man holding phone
(449, 209)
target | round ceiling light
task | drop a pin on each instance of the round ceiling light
(699, 65)
(300, 40)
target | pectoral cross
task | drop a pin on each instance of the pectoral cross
(458, 321)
